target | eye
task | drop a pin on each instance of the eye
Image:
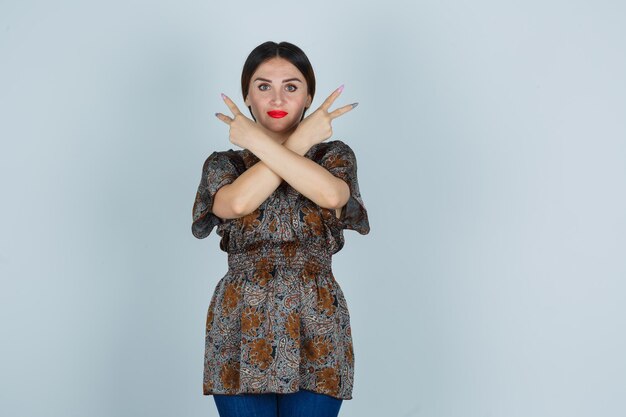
(263, 85)
(294, 87)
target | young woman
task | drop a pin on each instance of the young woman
(278, 337)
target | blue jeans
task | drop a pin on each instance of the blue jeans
(303, 403)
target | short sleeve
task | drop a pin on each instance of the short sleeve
(339, 160)
(219, 169)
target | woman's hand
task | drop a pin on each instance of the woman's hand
(316, 127)
(242, 129)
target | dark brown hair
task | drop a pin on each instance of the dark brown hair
(269, 50)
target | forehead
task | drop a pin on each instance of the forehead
(277, 69)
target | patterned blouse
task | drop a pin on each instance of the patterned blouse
(278, 320)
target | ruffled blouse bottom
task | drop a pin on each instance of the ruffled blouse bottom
(278, 322)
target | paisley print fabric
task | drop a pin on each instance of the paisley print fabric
(278, 320)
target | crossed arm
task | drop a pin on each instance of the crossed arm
(278, 162)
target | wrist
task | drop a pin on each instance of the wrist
(257, 142)
(298, 143)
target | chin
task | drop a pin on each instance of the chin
(282, 122)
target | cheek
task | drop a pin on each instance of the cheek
(299, 104)
(254, 101)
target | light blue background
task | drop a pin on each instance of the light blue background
(490, 139)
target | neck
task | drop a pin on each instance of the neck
(279, 137)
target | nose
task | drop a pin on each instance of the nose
(277, 97)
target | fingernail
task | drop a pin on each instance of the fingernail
(216, 114)
(223, 96)
(354, 105)
(340, 89)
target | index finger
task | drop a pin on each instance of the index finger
(331, 98)
(231, 105)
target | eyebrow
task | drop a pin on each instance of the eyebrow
(269, 81)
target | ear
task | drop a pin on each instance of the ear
(308, 101)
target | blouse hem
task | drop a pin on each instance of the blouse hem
(213, 392)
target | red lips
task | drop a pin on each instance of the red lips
(277, 114)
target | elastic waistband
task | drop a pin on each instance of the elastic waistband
(289, 254)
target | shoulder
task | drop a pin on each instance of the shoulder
(331, 150)
(229, 154)
(227, 159)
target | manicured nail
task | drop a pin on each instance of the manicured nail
(223, 96)
(216, 114)
(340, 89)
(354, 105)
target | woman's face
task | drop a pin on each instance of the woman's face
(277, 85)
